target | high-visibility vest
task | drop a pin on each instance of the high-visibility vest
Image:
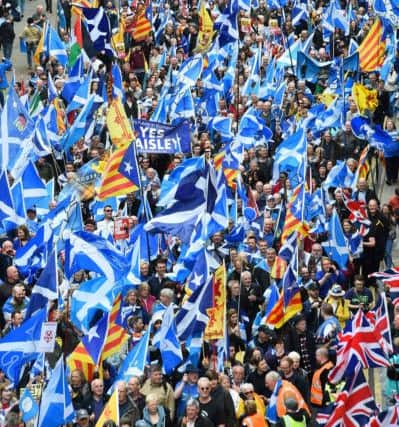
(288, 389)
(255, 420)
(290, 422)
(316, 391)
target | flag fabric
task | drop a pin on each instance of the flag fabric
(56, 47)
(378, 317)
(372, 48)
(7, 211)
(94, 340)
(21, 346)
(336, 245)
(167, 341)
(28, 406)
(340, 176)
(121, 173)
(33, 186)
(365, 99)
(135, 361)
(45, 290)
(217, 313)
(116, 336)
(99, 29)
(56, 402)
(353, 406)
(278, 315)
(119, 127)
(110, 411)
(390, 278)
(271, 412)
(81, 359)
(75, 79)
(141, 26)
(295, 217)
(358, 344)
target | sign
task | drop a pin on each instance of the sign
(47, 337)
(121, 228)
(154, 137)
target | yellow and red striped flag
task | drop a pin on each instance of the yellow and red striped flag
(114, 182)
(116, 336)
(363, 167)
(278, 317)
(141, 26)
(81, 359)
(372, 48)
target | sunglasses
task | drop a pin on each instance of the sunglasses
(108, 210)
(204, 388)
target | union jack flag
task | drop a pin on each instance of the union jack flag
(390, 278)
(388, 418)
(378, 317)
(354, 405)
(358, 215)
(359, 344)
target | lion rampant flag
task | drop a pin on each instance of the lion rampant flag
(217, 314)
(110, 411)
(365, 99)
(119, 128)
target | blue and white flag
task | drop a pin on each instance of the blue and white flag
(99, 29)
(192, 317)
(56, 403)
(17, 217)
(136, 359)
(190, 70)
(95, 338)
(6, 202)
(20, 346)
(336, 245)
(271, 412)
(153, 137)
(167, 342)
(16, 128)
(340, 176)
(33, 186)
(82, 95)
(28, 406)
(75, 79)
(56, 47)
(45, 289)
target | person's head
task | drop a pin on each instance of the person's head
(359, 283)
(204, 387)
(77, 378)
(122, 391)
(97, 387)
(362, 184)
(19, 293)
(300, 324)
(7, 248)
(192, 409)
(192, 374)
(291, 405)
(160, 267)
(286, 366)
(151, 402)
(156, 375)
(12, 274)
(336, 292)
(107, 212)
(373, 206)
(270, 255)
(317, 250)
(131, 297)
(234, 286)
(246, 278)
(250, 407)
(296, 359)
(16, 318)
(271, 379)
(321, 355)
(238, 373)
(326, 310)
(23, 233)
(144, 290)
(166, 296)
(133, 385)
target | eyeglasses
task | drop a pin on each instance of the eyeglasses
(108, 210)
(204, 388)
(249, 392)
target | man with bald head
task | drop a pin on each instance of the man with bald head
(7, 254)
(364, 193)
(98, 399)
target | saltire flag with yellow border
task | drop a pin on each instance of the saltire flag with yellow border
(121, 174)
(372, 48)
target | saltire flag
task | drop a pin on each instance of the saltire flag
(20, 346)
(121, 174)
(340, 176)
(56, 47)
(99, 29)
(217, 313)
(390, 278)
(81, 359)
(192, 316)
(336, 245)
(56, 403)
(7, 211)
(378, 316)
(33, 186)
(358, 344)
(45, 289)
(75, 79)
(271, 412)
(372, 48)
(167, 341)
(353, 406)
(135, 361)
(295, 217)
(190, 70)
(116, 336)
(110, 411)
(226, 24)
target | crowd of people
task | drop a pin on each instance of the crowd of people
(298, 355)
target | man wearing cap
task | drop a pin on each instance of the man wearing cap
(82, 418)
(186, 389)
(295, 416)
(339, 304)
(312, 305)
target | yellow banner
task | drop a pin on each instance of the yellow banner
(217, 314)
(120, 131)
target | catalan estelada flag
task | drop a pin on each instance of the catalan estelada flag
(279, 316)
(372, 48)
(81, 359)
(110, 411)
(121, 174)
(116, 336)
(294, 220)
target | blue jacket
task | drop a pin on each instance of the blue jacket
(5, 65)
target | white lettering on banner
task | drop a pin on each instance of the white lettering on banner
(157, 145)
